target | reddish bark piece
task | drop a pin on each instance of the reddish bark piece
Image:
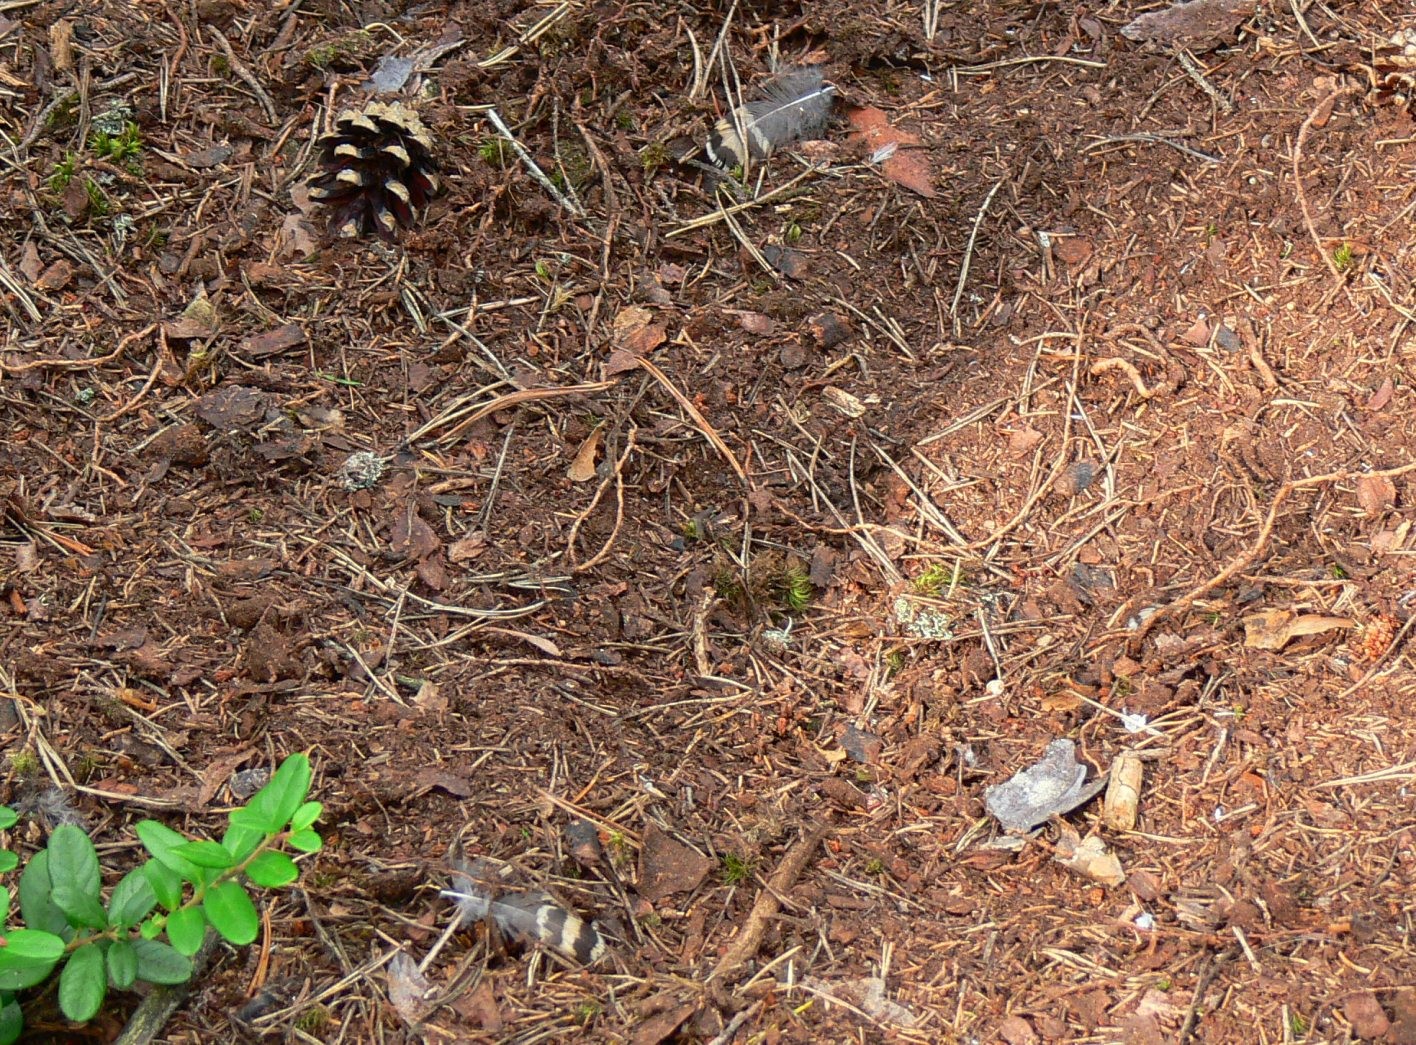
(902, 164)
(667, 867)
(273, 342)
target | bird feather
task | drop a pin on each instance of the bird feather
(796, 105)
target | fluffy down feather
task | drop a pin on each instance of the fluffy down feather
(796, 105)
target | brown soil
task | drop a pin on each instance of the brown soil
(1097, 405)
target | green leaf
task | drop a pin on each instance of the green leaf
(272, 870)
(166, 883)
(122, 964)
(36, 904)
(82, 984)
(12, 1021)
(162, 842)
(306, 841)
(159, 963)
(8, 861)
(5, 900)
(28, 957)
(231, 913)
(82, 910)
(241, 842)
(206, 854)
(276, 803)
(306, 815)
(186, 929)
(73, 861)
(8, 818)
(249, 819)
(133, 897)
(152, 928)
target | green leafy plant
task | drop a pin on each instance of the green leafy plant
(1342, 257)
(735, 869)
(62, 174)
(795, 588)
(184, 890)
(936, 578)
(124, 145)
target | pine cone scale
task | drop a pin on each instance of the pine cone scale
(377, 170)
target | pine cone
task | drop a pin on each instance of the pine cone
(377, 170)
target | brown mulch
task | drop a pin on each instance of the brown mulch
(714, 549)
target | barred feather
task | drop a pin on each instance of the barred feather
(531, 917)
(796, 105)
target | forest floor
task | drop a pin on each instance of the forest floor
(732, 541)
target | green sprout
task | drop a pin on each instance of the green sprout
(62, 174)
(793, 234)
(936, 578)
(735, 869)
(1342, 257)
(875, 866)
(494, 152)
(653, 156)
(1297, 1024)
(795, 588)
(97, 202)
(124, 145)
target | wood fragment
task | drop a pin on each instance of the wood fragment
(769, 902)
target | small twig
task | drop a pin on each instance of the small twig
(1324, 106)
(244, 73)
(1154, 139)
(1245, 559)
(157, 1008)
(968, 250)
(525, 395)
(769, 902)
(530, 165)
(1101, 366)
(699, 420)
(81, 364)
(1187, 62)
(618, 478)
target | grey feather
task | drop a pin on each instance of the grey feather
(529, 917)
(796, 105)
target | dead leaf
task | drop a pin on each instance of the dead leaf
(430, 697)
(843, 401)
(218, 774)
(432, 777)
(273, 342)
(30, 264)
(1022, 440)
(756, 323)
(1382, 396)
(26, 557)
(296, 237)
(1088, 857)
(1375, 493)
(1051, 786)
(1272, 629)
(409, 990)
(634, 335)
(467, 548)
(582, 469)
(890, 147)
(1198, 25)
(413, 537)
(667, 866)
(1074, 250)
(55, 277)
